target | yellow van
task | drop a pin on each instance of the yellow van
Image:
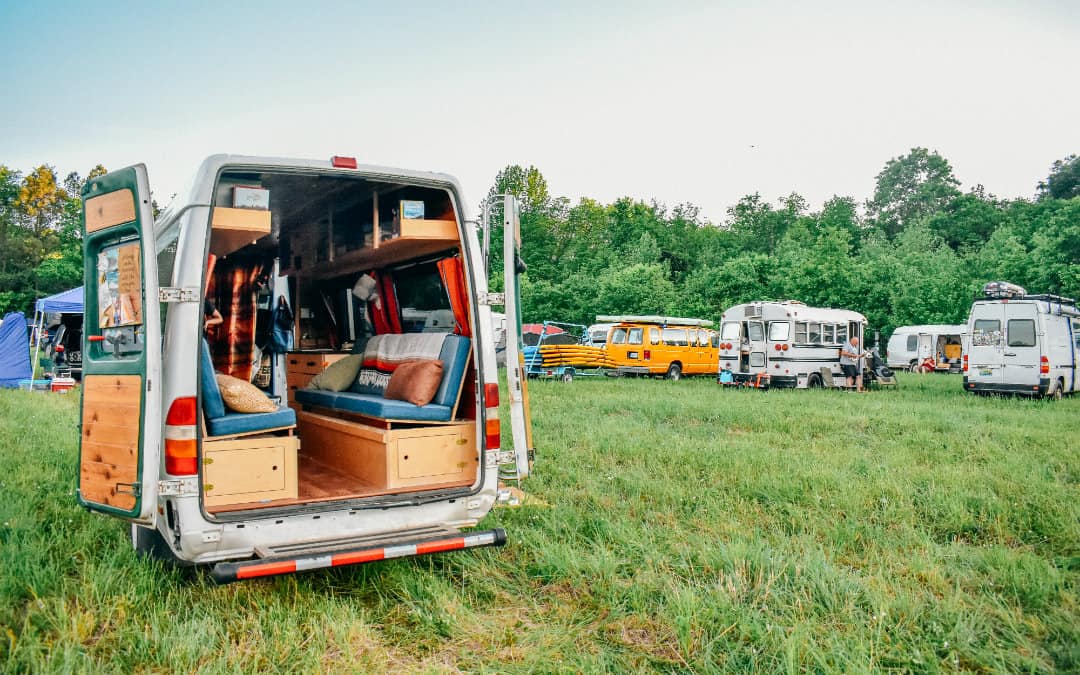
(661, 345)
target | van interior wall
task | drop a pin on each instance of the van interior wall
(234, 291)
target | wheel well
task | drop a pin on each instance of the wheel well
(675, 363)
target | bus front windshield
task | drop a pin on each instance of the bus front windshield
(729, 331)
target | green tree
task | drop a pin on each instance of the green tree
(910, 188)
(1063, 181)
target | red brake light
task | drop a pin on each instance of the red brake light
(181, 452)
(776, 347)
(1044, 366)
(182, 412)
(492, 433)
(965, 363)
(343, 162)
(491, 396)
(785, 347)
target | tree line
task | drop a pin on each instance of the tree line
(915, 252)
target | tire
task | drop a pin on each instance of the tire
(674, 372)
(913, 367)
(814, 382)
(568, 376)
(149, 543)
(1056, 390)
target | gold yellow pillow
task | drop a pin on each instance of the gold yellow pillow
(241, 396)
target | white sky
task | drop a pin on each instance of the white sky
(681, 102)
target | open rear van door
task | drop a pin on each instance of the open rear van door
(926, 347)
(120, 428)
(520, 418)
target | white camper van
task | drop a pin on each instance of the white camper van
(346, 407)
(787, 341)
(1022, 344)
(930, 347)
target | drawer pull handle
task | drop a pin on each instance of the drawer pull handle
(461, 441)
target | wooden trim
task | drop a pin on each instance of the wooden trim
(109, 209)
(211, 439)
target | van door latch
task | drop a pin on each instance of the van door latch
(133, 489)
(170, 294)
(492, 298)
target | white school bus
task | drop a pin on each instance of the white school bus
(790, 342)
(346, 407)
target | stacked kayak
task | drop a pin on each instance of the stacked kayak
(576, 355)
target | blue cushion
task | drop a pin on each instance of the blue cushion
(240, 423)
(213, 405)
(374, 406)
(454, 355)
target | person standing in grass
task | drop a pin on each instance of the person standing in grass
(849, 356)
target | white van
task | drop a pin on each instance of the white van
(910, 347)
(1024, 344)
(795, 345)
(346, 407)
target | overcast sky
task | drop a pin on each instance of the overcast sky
(677, 101)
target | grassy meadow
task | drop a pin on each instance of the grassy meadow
(679, 527)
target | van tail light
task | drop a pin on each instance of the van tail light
(1044, 366)
(777, 347)
(492, 428)
(784, 347)
(965, 363)
(181, 454)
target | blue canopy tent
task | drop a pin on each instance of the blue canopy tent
(68, 302)
(14, 350)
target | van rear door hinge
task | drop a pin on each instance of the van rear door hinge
(492, 298)
(170, 294)
(177, 487)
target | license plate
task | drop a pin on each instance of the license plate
(986, 371)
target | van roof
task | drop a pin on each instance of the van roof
(932, 328)
(662, 320)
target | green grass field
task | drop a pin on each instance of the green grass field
(686, 529)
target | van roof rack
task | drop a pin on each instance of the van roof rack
(1049, 297)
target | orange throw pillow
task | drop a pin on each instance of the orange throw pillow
(415, 381)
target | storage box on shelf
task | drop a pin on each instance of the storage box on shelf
(249, 470)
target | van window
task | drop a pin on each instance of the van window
(730, 331)
(675, 337)
(425, 306)
(814, 333)
(828, 334)
(755, 331)
(912, 343)
(800, 332)
(618, 336)
(779, 331)
(654, 336)
(1021, 332)
(635, 336)
(986, 333)
(1076, 333)
(757, 359)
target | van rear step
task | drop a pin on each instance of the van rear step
(228, 572)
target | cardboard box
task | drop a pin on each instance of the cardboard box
(411, 210)
(249, 197)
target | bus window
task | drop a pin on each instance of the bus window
(618, 336)
(813, 332)
(757, 359)
(675, 337)
(729, 332)
(828, 334)
(755, 331)
(800, 332)
(635, 336)
(841, 334)
(779, 331)
(654, 336)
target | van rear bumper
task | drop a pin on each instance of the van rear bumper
(1016, 389)
(228, 572)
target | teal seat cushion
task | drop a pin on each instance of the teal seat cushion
(242, 423)
(454, 355)
(212, 403)
(373, 406)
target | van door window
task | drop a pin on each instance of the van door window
(800, 332)
(635, 336)
(986, 333)
(730, 332)
(779, 331)
(618, 336)
(912, 343)
(755, 331)
(119, 299)
(1021, 333)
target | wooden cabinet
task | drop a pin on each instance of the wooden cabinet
(249, 470)
(300, 367)
(391, 459)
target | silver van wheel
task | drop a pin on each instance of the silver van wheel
(674, 372)
(1055, 392)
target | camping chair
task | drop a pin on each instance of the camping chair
(826, 377)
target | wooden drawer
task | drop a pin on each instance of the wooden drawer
(249, 470)
(416, 458)
(312, 363)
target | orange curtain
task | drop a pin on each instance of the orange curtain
(453, 278)
(233, 341)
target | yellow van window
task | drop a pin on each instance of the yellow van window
(675, 337)
(618, 336)
(654, 336)
(635, 336)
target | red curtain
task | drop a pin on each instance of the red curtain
(233, 341)
(453, 278)
(388, 318)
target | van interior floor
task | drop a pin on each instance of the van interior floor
(318, 482)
